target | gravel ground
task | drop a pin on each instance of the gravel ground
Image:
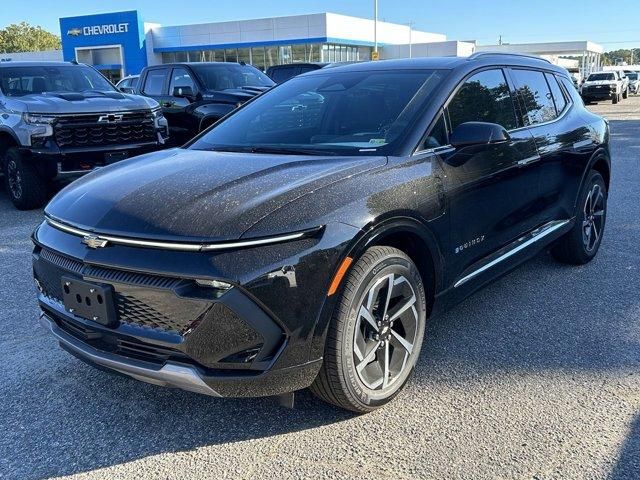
(536, 376)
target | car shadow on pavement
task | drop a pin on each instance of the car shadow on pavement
(628, 465)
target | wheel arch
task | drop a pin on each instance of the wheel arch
(408, 234)
(7, 140)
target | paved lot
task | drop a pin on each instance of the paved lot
(537, 376)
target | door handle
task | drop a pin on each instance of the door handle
(527, 161)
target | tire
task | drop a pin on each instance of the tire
(580, 245)
(625, 94)
(25, 186)
(616, 99)
(368, 337)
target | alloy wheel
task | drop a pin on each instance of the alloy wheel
(15, 179)
(593, 219)
(385, 332)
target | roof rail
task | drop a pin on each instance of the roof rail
(475, 55)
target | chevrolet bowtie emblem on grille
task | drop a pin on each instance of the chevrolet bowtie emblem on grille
(74, 32)
(111, 118)
(92, 241)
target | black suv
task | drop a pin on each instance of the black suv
(193, 96)
(61, 120)
(306, 238)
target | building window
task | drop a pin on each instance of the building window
(244, 55)
(271, 56)
(257, 58)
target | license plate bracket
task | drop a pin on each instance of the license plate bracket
(113, 157)
(89, 301)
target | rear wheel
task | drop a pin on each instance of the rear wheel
(376, 332)
(616, 98)
(26, 187)
(581, 244)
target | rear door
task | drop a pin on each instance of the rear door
(156, 84)
(564, 142)
(491, 188)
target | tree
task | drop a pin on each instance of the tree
(23, 37)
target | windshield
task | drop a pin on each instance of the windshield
(594, 77)
(632, 76)
(230, 75)
(348, 113)
(18, 81)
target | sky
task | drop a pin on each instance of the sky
(517, 21)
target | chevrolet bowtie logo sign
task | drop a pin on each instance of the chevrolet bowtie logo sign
(111, 118)
(92, 241)
(108, 29)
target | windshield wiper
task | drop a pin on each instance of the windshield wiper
(270, 149)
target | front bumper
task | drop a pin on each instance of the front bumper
(254, 339)
(167, 375)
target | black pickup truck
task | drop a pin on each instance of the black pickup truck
(194, 95)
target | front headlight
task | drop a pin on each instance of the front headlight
(38, 119)
(157, 112)
(39, 127)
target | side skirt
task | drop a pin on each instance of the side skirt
(500, 262)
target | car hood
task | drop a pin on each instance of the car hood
(195, 195)
(235, 94)
(87, 102)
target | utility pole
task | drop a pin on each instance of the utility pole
(375, 29)
(500, 40)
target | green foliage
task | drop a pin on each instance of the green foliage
(23, 37)
(623, 55)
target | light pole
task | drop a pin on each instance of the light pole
(375, 28)
(410, 25)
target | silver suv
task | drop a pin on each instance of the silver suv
(59, 120)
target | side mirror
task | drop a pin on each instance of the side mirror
(183, 92)
(478, 133)
(129, 90)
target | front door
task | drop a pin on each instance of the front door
(492, 189)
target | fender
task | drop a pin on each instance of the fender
(600, 154)
(373, 234)
(211, 111)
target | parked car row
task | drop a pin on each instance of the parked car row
(614, 85)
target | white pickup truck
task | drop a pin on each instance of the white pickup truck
(604, 86)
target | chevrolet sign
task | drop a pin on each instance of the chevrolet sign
(108, 29)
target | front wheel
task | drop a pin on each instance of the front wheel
(375, 334)
(581, 243)
(26, 187)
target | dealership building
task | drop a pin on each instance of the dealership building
(122, 43)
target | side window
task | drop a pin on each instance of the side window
(485, 97)
(556, 91)
(133, 82)
(437, 136)
(154, 84)
(536, 96)
(181, 78)
(571, 89)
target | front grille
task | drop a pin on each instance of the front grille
(140, 299)
(126, 346)
(87, 130)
